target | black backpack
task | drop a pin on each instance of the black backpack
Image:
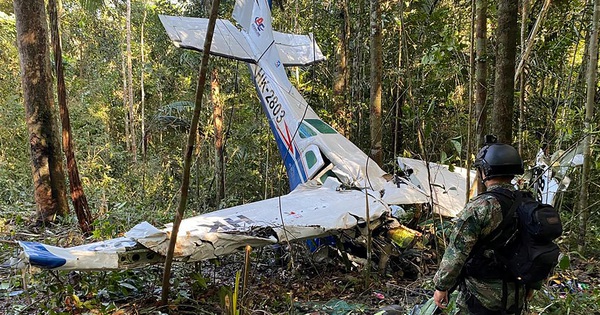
(523, 243)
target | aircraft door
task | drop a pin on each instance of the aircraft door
(312, 160)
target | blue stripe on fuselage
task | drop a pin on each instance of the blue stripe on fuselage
(40, 256)
(293, 164)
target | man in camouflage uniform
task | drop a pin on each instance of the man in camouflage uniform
(497, 164)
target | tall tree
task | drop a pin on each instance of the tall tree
(80, 204)
(526, 48)
(218, 130)
(480, 78)
(400, 85)
(592, 69)
(376, 84)
(125, 102)
(524, 14)
(506, 36)
(340, 85)
(48, 175)
(481, 71)
(187, 158)
(130, 84)
(142, 88)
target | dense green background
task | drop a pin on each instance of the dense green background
(434, 71)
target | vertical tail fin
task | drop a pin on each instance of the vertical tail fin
(255, 18)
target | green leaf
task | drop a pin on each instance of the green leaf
(443, 157)
(457, 146)
(564, 262)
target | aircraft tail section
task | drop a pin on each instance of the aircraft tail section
(255, 18)
(294, 50)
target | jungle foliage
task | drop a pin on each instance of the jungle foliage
(425, 63)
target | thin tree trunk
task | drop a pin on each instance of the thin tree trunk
(47, 167)
(400, 87)
(471, 95)
(130, 86)
(481, 71)
(188, 152)
(480, 79)
(218, 129)
(340, 85)
(525, 53)
(143, 90)
(524, 14)
(353, 88)
(356, 74)
(588, 124)
(80, 204)
(348, 69)
(376, 85)
(125, 106)
(504, 87)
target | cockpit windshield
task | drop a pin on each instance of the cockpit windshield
(321, 126)
(305, 131)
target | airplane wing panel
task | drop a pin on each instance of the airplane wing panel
(446, 189)
(303, 214)
(307, 213)
(190, 33)
(297, 50)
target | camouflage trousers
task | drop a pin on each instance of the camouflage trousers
(467, 304)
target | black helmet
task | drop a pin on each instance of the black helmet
(499, 159)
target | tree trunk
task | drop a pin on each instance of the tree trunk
(400, 87)
(218, 125)
(527, 48)
(480, 79)
(470, 103)
(143, 90)
(481, 71)
(591, 83)
(524, 14)
(80, 204)
(506, 35)
(125, 106)
(47, 168)
(340, 85)
(130, 85)
(185, 183)
(376, 86)
(358, 75)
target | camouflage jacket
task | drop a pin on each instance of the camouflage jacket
(481, 216)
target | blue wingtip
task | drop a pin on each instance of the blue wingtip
(40, 256)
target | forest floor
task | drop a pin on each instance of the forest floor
(291, 281)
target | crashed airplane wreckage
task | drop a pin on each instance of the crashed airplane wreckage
(334, 185)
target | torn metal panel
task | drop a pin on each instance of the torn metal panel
(400, 191)
(103, 255)
(307, 213)
(447, 189)
(549, 176)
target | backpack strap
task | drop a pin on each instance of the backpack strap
(505, 197)
(508, 217)
(498, 237)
